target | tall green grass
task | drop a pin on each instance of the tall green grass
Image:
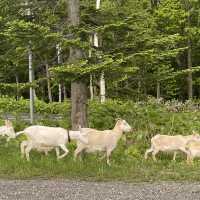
(128, 164)
(125, 167)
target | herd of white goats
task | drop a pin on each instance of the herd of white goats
(45, 139)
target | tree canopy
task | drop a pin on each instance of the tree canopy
(146, 47)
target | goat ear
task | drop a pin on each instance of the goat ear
(117, 119)
(194, 133)
(8, 123)
(79, 127)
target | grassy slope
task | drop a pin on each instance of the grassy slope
(124, 168)
(127, 162)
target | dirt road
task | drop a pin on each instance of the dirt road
(80, 190)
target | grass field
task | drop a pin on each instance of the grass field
(128, 164)
(124, 167)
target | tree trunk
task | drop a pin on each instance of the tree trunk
(58, 48)
(78, 88)
(139, 89)
(79, 105)
(48, 82)
(64, 92)
(102, 88)
(189, 55)
(17, 82)
(60, 92)
(189, 78)
(96, 40)
(91, 87)
(98, 3)
(30, 61)
(91, 77)
(102, 77)
(158, 90)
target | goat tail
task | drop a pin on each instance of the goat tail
(19, 133)
(83, 139)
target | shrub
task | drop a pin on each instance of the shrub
(148, 118)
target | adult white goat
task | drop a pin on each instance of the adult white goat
(44, 137)
(7, 130)
(167, 143)
(102, 140)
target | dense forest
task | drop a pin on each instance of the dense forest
(83, 49)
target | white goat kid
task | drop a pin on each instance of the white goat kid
(41, 137)
(7, 130)
(193, 150)
(166, 143)
(105, 141)
(38, 147)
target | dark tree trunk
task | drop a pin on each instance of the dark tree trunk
(158, 90)
(189, 55)
(189, 78)
(73, 12)
(139, 89)
(48, 82)
(17, 82)
(78, 88)
(79, 105)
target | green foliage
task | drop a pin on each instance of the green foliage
(133, 152)
(140, 45)
(147, 118)
(9, 105)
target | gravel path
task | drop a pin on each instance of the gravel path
(80, 190)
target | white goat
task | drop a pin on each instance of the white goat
(7, 130)
(41, 137)
(37, 147)
(166, 143)
(102, 140)
(193, 150)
